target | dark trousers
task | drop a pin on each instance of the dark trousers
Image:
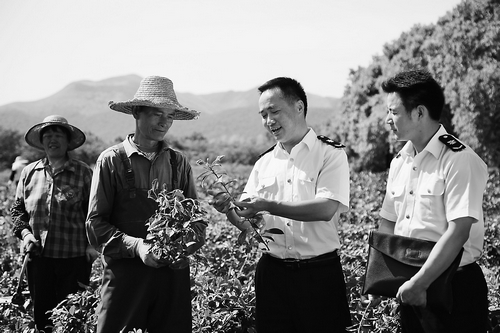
(50, 280)
(302, 299)
(141, 297)
(470, 307)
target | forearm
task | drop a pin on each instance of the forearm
(320, 209)
(386, 226)
(444, 252)
(20, 218)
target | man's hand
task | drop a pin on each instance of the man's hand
(221, 202)
(148, 258)
(249, 207)
(412, 294)
(91, 254)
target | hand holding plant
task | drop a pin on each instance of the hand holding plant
(171, 229)
(224, 200)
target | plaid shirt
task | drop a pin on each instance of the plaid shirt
(54, 206)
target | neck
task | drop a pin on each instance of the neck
(57, 162)
(428, 132)
(146, 145)
(288, 146)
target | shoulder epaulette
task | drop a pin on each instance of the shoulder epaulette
(451, 142)
(267, 151)
(330, 142)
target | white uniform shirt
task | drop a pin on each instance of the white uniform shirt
(313, 169)
(437, 185)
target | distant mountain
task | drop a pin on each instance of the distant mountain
(85, 105)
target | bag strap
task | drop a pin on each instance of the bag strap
(129, 173)
(173, 163)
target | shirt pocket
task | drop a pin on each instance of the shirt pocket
(431, 198)
(267, 187)
(68, 198)
(397, 193)
(306, 186)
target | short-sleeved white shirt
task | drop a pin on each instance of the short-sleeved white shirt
(313, 169)
(438, 185)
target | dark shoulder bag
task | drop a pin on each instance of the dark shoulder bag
(393, 260)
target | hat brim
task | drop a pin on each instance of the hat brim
(181, 112)
(32, 136)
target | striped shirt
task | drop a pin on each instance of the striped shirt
(54, 206)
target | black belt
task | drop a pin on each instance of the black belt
(320, 260)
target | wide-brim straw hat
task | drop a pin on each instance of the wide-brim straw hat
(157, 92)
(32, 136)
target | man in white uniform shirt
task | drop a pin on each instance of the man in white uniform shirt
(434, 192)
(303, 183)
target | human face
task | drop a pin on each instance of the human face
(403, 123)
(285, 121)
(55, 142)
(152, 124)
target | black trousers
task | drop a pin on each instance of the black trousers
(136, 296)
(470, 307)
(297, 298)
(50, 280)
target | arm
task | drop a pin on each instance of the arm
(319, 209)
(386, 226)
(413, 292)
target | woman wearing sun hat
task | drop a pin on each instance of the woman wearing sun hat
(138, 291)
(49, 211)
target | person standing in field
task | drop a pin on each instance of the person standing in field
(138, 290)
(303, 183)
(435, 192)
(18, 166)
(49, 213)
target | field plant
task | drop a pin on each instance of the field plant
(220, 188)
(223, 294)
(171, 229)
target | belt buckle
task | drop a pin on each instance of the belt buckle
(292, 263)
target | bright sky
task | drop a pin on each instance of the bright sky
(203, 46)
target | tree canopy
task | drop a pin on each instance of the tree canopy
(462, 51)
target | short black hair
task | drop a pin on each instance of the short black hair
(61, 128)
(417, 87)
(291, 89)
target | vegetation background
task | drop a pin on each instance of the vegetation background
(462, 50)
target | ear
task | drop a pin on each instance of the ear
(135, 112)
(299, 105)
(421, 111)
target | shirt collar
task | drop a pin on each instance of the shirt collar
(308, 140)
(69, 165)
(434, 146)
(130, 148)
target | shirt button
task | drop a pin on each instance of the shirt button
(407, 216)
(414, 168)
(289, 247)
(289, 181)
(288, 224)
(411, 192)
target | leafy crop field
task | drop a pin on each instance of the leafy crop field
(223, 296)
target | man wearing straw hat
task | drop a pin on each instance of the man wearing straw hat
(138, 291)
(49, 211)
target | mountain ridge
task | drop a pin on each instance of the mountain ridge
(85, 104)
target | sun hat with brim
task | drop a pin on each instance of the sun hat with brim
(32, 136)
(157, 92)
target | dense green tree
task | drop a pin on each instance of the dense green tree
(462, 51)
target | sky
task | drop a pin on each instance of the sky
(203, 46)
